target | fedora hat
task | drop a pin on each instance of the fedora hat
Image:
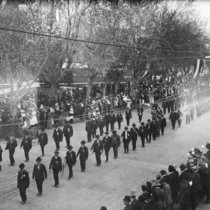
(82, 142)
(22, 165)
(39, 159)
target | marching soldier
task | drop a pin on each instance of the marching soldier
(83, 155)
(57, 136)
(56, 166)
(43, 140)
(134, 135)
(107, 143)
(23, 182)
(27, 145)
(126, 139)
(119, 119)
(115, 143)
(39, 174)
(67, 132)
(128, 116)
(70, 160)
(11, 145)
(97, 147)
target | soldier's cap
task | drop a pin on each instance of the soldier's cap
(56, 151)
(106, 133)
(133, 124)
(83, 142)
(127, 198)
(133, 193)
(38, 159)
(22, 165)
(70, 147)
(97, 136)
(126, 128)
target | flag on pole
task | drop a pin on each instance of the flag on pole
(198, 67)
(146, 73)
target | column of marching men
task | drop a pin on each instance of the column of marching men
(147, 131)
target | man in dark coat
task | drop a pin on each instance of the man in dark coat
(56, 166)
(27, 145)
(83, 155)
(126, 139)
(134, 202)
(113, 120)
(140, 112)
(119, 118)
(11, 145)
(133, 135)
(173, 118)
(115, 143)
(149, 131)
(97, 148)
(107, 144)
(107, 118)
(89, 128)
(162, 124)
(39, 174)
(70, 160)
(147, 202)
(101, 125)
(127, 200)
(67, 132)
(128, 116)
(173, 182)
(43, 140)
(23, 182)
(57, 136)
(143, 133)
(164, 105)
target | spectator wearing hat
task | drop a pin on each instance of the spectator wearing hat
(27, 145)
(56, 166)
(113, 120)
(143, 134)
(119, 119)
(23, 182)
(70, 160)
(147, 202)
(115, 143)
(160, 202)
(145, 191)
(133, 135)
(67, 132)
(11, 145)
(97, 148)
(107, 144)
(83, 155)
(57, 136)
(127, 200)
(126, 139)
(128, 116)
(43, 140)
(184, 172)
(134, 202)
(173, 182)
(39, 174)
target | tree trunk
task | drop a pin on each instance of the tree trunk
(90, 86)
(53, 88)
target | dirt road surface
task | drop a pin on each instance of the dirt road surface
(108, 184)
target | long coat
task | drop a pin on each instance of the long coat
(40, 172)
(97, 146)
(70, 158)
(57, 135)
(56, 163)
(83, 153)
(23, 180)
(107, 143)
(173, 182)
(123, 136)
(43, 139)
(115, 140)
(26, 143)
(11, 144)
(67, 130)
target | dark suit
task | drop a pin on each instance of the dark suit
(162, 125)
(126, 140)
(70, 161)
(58, 137)
(154, 129)
(83, 156)
(119, 119)
(112, 122)
(128, 116)
(128, 207)
(135, 204)
(89, 128)
(149, 132)
(107, 118)
(133, 136)
(11, 145)
(43, 140)
(115, 144)
(143, 134)
(107, 144)
(173, 182)
(40, 174)
(68, 133)
(27, 145)
(23, 182)
(97, 147)
(56, 165)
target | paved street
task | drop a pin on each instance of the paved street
(108, 184)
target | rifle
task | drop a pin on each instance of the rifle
(64, 163)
